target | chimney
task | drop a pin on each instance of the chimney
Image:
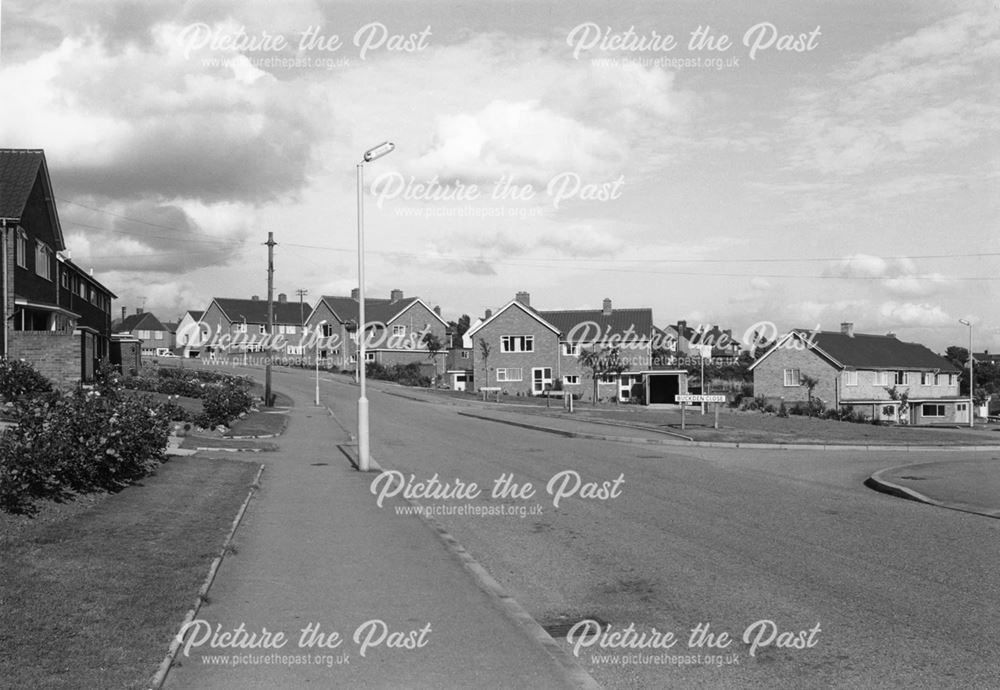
(891, 334)
(847, 328)
(356, 293)
(255, 298)
(524, 298)
(487, 314)
(395, 295)
(124, 312)
(138, 310)
(437, 310)
(607, 306)
(681, 328)
(282, 298)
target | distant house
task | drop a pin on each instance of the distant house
(533, 351)
(703, 342)
(986, 357)
(863, 372)
(191, 334)
(395, 330)
(238, 326)
(154, 337)
(55, 315)
(458, 364)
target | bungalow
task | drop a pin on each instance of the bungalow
(153, 335)
(233, 325)
(877, 375)
(55, 315)
(528, 351)
(395, 330)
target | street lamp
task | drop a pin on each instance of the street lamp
(971, 379)
(364, 460)
(318, 331)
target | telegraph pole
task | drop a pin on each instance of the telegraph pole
(270, 317)
(302, 292)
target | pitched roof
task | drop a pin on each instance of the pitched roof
(145, 321)
(376, 310)
(196, 315)
(867, 351)
(255, 310)
(618, 322)
(18, 171)
(513, 303)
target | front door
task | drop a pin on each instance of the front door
(541, 379)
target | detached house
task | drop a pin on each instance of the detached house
(154, 337)
(55, 315)
(233, 325)
(532, 351)
(878, 375)
(395, 330)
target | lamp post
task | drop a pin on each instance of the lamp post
(364, 460)
(972, 422)
(319, 326)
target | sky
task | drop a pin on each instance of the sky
(801, 163)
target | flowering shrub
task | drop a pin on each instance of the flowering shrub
(79, 442)
(224, 401)
(19, 378)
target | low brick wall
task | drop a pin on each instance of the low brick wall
(56, 356)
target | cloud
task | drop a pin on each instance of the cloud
(909, 314)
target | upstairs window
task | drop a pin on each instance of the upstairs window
(793, 377)
(517, 343)
(901, 378)
(850, 378)
(43, 261)
(399, 330)
(22, 248)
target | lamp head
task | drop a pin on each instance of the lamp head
(382, 149)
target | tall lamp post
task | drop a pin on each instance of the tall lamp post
(972, 422)
(364, 459)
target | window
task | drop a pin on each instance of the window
(517, 343)
(571, 349)
(295, 349)
(793, 377)
(511, 374)
(369, 356)
(93, 296)
(327, 330)
(850, 378)
(928, 410)
(607, 378)
(883, 378)
(241, 327)
(81, 288)
(962, 407)
(22, 248)
(157, 335)
(901, 378)
(43, 261)
(927, 378)
(571, 380)
(399, 330)
(262, 329)
(465, 354)
(64, 280)
(143, 335)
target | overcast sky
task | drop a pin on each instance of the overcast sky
(807, 163)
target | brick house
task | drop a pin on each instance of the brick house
(533, 350)
(395, 328)
(862, 372)
(153, 335)
(238, 326)
(190, 335)
(55, 315)
(683, 341)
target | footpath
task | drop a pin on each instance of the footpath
(362, 597)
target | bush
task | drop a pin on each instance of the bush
(79, 442)
(403, 374)
(224, 401)
(782, 410)
(18, 379)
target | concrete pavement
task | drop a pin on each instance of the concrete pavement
(972, 486)
(364, 597)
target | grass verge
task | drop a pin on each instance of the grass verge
(92, 591)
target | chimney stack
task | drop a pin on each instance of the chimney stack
(524, 298)
(255, 298)
(138, 310)
(682, 329)
(847, 328)
(282, 298)
(607, 306)
(356, 293)
(487, 314)
(437, 310)
(124, 311)
(395, 295)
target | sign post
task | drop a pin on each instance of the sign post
(684, 399)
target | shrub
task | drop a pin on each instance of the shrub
(79, 442)
(18, 378)
(224, 401)
(782, 410)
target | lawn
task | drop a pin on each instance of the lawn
(93, 590)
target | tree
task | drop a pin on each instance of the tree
(434, 346)
(810, 383)
(602, 362)
(959, 356)
(904, 401)
(485, 350)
